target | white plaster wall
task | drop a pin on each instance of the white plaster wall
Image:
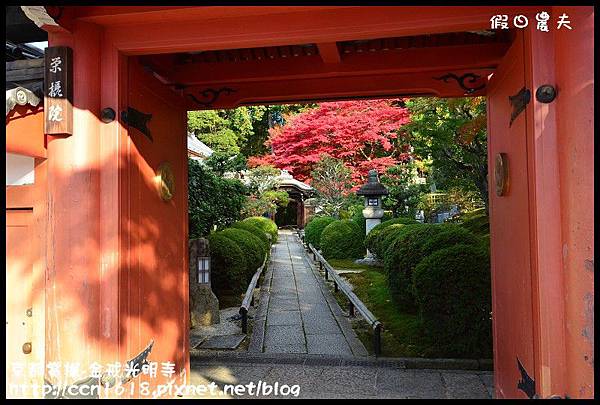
(19, 170)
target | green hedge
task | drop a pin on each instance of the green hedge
(373, 239)
(402, 256)
(453, 293)
(228, 265)
(385, 239)
(342, 240)
(478, 224)
(450, 237)
(252, 248)
(212, 200)
(314, 229)
(265, 224)
(256, 231)
(359, 219)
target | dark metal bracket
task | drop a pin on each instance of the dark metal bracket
(462, 81)
(210, 96)
(138, 120)
(519, 101)
(526, 383)
(135, 364)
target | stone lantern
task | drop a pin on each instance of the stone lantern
(373, 191)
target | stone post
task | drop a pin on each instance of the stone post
(204, 305)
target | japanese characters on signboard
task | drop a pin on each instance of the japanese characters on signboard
(58, 94)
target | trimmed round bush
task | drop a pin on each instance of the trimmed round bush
(254, 230)
(403, 254)
(448, 238)
(342, 240)
(314, 229)
(360, 220)
(265, 224)
(228, 264)
(453, 293)
(385, 239)
(252, 248)
(479, 224)
(373, 240)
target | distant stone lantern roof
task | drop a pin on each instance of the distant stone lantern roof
(373, 187)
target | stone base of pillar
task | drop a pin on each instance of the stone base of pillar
(204, 306)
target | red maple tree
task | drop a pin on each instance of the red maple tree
(365, 134)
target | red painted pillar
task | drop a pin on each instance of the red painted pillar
(74, 276)
(544, 218)
(574, 53)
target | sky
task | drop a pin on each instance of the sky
(39, 45)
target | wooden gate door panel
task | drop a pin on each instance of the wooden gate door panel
(19, 273)
(154, 280)
(510, 230)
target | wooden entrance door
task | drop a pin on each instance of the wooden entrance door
(154, 275)
(510, 229)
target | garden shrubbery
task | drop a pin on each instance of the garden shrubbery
(212, 200)
(265, 224)
(450, 237)
(342, 240)
(236, 253)
(377, 235)
(314, 229)
(402, 256)
(228, 263)
(441, 272)
(476, 221)
(254, 230)
(252, 248)
(453, 294)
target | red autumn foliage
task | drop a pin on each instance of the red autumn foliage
(363, 133)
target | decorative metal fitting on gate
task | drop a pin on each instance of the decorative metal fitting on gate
(210, 96)
(519, 101)
(138, 120)
(545, 94)
(107, 115)
(462, 81)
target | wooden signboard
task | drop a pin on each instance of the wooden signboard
(58, 92)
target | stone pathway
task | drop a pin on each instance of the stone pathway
(322, 377)
(297, 313)
(303, 346)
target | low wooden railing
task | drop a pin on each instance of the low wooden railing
(300, 233)
(249, 297)
(354, 303)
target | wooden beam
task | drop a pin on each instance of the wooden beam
(336, 88)
(299, 27)
(329, 52)
(388, 62)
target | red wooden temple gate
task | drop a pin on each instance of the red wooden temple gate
(116, 255)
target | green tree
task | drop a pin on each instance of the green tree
(224, 131)
(332, 180)
(212, 200)
(220, 163)
(404, 192)
(452, 133)
(264, 196)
